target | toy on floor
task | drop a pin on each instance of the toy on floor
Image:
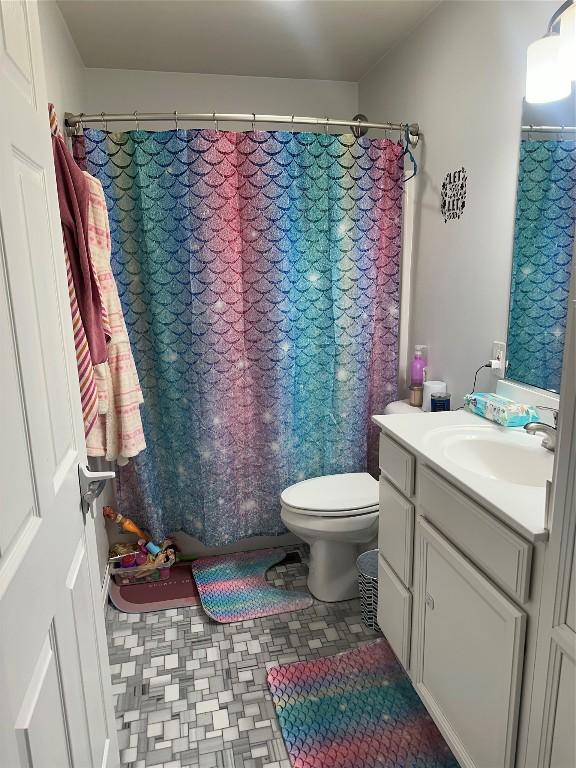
(141, 562)
(124, 522)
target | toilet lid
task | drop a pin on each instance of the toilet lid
(332, 495)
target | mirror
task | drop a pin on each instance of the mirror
(543, 242)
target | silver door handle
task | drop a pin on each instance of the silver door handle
(91, 486)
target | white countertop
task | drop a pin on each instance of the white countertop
(522, 507)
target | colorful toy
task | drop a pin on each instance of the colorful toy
(142, 554)
(125, 523)
(134, 563)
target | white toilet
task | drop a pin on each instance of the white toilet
(337, 515)
(334, 514)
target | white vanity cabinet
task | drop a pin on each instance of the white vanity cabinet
(454, 597)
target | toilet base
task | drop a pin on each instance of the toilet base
(333, 575)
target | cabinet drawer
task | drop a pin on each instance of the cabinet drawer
(394, 611)
(396, 531)
(500, 553)
(397, 464)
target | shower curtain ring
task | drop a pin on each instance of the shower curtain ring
(253, 122)
(176, 119)
(326, 126)
(292, 121)
(137, 121)
(215, 121)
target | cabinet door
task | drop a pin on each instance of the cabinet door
(396, 531)
(469, 647)
(394, 612)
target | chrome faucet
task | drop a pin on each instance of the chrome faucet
(549, 441)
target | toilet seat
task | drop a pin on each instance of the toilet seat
(346, 495)
(330, 514)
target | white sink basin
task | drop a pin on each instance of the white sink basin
(512, 456)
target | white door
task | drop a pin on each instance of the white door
(552, 731)
(55, 697)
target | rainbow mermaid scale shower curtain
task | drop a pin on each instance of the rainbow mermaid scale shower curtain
(259, 275)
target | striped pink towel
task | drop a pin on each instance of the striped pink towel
(118, 433)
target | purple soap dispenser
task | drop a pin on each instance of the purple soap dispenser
(417, 368)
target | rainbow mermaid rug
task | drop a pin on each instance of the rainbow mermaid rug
(234, 587)
(355, 710)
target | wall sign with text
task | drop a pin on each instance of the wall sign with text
(453, 199)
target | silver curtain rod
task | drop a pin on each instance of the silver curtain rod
(549, 129)
(76, 121)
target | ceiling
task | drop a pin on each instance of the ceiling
(311, 39)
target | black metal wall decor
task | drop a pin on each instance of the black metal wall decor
(453, 199)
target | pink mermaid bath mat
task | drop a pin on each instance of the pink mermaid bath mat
(234, 587)
(355, 710)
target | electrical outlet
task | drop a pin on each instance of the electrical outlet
(499, 353)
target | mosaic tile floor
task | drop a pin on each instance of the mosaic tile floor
(191, 692)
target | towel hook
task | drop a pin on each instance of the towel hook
(137, 121)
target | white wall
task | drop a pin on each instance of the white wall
(123, 90)
(460, 74)
(62, 63)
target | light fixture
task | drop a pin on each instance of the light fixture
(551, 61)
(546, 79)
(568, 41)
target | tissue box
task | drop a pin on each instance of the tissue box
(500, 410)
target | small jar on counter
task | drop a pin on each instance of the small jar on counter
(440, 401)
(416, 396)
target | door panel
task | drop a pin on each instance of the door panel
(16, 478)
(56, 704)
(571, 607)
(16, 52)
(85, 642)
(43, 702)
(36, 297)
(563, 747)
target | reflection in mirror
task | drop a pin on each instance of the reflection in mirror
(543, 243)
